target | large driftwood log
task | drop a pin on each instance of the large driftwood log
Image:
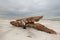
(35, 25)
(30, 23)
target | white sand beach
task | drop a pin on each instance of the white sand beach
(9, 32)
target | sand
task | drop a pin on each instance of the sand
(9, 32)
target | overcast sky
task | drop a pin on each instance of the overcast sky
(24, 8)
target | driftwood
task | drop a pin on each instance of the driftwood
(31, 23)
(41, 28)
(31, 19)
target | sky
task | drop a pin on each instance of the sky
(27, 8)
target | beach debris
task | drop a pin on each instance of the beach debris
(30, 22)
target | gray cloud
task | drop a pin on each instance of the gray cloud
(24, 8)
